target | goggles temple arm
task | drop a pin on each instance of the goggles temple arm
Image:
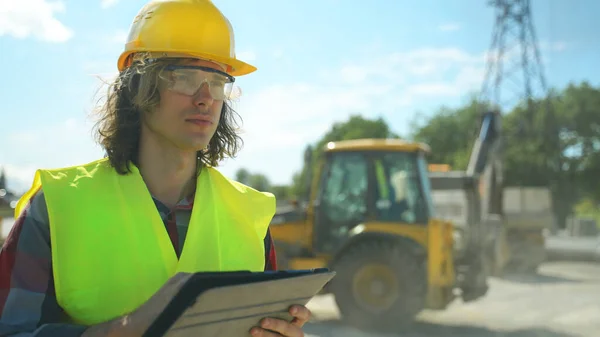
(207, 69)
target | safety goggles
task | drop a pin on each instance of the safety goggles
(188, 79)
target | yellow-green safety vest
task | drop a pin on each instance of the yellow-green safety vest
(111, 251)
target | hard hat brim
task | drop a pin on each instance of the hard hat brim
(237, 67)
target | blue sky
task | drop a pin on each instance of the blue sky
(319, 61)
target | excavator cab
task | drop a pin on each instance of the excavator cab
(369, 217)
(356, 187)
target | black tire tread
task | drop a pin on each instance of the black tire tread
(410, 270)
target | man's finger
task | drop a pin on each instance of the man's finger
(283, 327)
(258, 332)
(301, 314)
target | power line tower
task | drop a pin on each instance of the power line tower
(514, 76)
(514, 71)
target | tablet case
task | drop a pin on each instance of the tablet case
(229, 304)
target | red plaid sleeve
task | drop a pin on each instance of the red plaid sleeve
(270, 255)
(28, 306)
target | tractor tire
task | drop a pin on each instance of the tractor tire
(379, 285)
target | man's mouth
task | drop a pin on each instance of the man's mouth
(200, 121)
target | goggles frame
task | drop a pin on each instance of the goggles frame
(230, 80)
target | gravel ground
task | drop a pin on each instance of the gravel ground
(562, 300)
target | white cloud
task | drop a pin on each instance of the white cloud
(62, 144)
(405, 68)
(25, 18)
(417, 71)
(105, 71)
(556, 46)
(19, 178)
(246, 56)
(354, 74)
(108, 3)
(449, 27)
(119, 37)
(280, 120)
(295, 113)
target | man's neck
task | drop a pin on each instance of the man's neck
(168, 173)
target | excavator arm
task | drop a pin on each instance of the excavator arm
(471, 199)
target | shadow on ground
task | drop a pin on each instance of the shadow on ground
(423, 329)
(591, 257)
(535, 278)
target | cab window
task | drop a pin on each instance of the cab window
(344, 194)
(398, 188)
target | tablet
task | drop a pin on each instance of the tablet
(229, 304)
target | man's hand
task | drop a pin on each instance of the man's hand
(271, 327)
(137, 322)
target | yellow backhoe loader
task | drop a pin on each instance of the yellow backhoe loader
(369, 216)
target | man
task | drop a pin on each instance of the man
(89, 247)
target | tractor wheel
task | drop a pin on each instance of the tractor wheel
(380, 285)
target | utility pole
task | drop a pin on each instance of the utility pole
(515, 76)
(514, 71)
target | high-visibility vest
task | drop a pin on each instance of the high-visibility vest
(111, 251)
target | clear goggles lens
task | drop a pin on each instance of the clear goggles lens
(188, 80)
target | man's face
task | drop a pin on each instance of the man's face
(185, 118)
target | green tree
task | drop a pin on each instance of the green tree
(356, 127)
(243, 176)
(450, 133)
(281, 192)
(554, 143)
(259, 181)
(580, 136)
(255, 180)
(561, 149)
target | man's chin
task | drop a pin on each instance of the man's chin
(191, 147)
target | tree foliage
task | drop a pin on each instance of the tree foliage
(355, 127)
(450, 134)
(554, 143)
(261, 182)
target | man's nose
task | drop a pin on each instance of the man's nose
(203, 96)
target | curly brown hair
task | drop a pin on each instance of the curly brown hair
(136, 91)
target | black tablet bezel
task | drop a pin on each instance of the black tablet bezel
(202, 281)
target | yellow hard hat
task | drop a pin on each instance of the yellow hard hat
(190, 28)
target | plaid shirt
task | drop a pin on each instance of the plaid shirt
(28, 306)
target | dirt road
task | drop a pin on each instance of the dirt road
(562, 300)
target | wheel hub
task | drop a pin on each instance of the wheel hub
(375, 287)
